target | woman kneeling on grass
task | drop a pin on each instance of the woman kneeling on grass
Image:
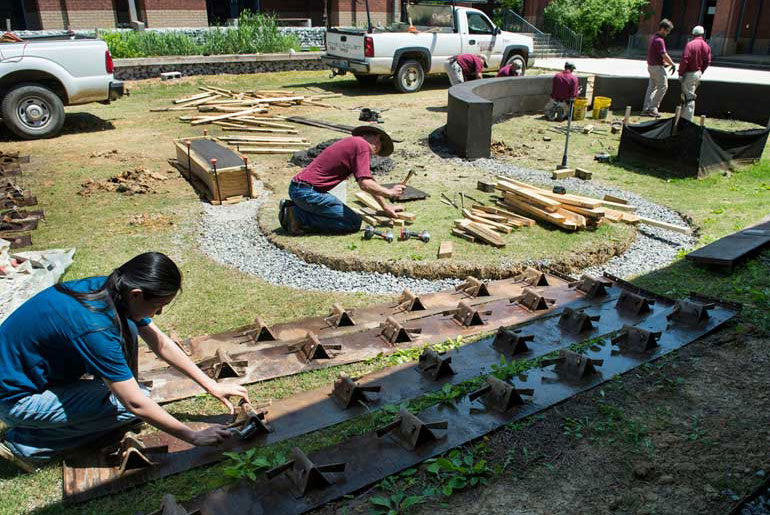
(90, 326)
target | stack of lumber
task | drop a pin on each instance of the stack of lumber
(570, 212)
(484, 224)
(266, 144)
(372, 213)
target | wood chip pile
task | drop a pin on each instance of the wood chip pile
(250, 112)
(522, 204)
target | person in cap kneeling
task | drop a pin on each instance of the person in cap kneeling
(313, 208)
(464, 67)
(510, 70)
(565, 87)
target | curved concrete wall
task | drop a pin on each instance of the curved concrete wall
(716, 99)
(474, 106)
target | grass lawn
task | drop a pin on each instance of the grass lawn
(108, 228)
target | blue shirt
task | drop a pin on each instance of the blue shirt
(53, 339)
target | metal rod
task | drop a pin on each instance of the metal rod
(566, 141)
(368, 16)
(216, 179)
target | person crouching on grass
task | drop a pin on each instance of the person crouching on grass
(90, 326)
(313, 208)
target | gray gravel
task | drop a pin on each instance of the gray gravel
(231, 236)
(653, 247)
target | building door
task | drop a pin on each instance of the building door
(12, 15)
(707, 17)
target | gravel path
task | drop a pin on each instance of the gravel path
(231, 236)
(653, 247)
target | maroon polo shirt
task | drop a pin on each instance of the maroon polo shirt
(471, 65)
(565, 86)
(336, 162)
(656, 50)
(696, 56)
(508, 71)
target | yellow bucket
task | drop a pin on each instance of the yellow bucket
(579, 109)
(601, 107)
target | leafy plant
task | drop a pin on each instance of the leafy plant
(447, 395)
(459, 470)
(395, 504)
(245, 465)
(593, 18)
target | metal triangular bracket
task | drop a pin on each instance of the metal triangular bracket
(412, 432)
(533, 301)
(632, 304)
(348, 392)
(499, 395)
(473, 287)
(572, 364)
(576, 322)
(592, 287)
(261, 332)
(339, 317)
(222, 366)
(636, 340)
(510, 342)
(393, 332)
(169, 506)
(251, 419)
(304, 474)
(131, 453)
(533, 277)
(311, 348)
(409, 302)
(467, 316)
(689, 312)
(434, 365)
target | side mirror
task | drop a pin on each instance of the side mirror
(497, 31)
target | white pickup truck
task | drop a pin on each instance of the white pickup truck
(432, 34)
(39, 76)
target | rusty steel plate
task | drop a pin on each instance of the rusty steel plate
(369, 458)
(309, 411)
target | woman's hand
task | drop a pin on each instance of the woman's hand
(212, 435)
(222, 391)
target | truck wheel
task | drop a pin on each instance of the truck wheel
(366, 79)
(516, 58)
(409, 76)
(32, 112)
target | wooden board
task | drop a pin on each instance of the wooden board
(728, 251)
(445, 250)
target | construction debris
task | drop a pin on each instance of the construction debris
(130, 182)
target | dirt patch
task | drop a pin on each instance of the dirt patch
(130, 182)
(597, 253)
(683, 435)
(378, 165)
(154, 222)
(502, 149)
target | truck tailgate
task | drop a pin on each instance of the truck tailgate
(345, 44)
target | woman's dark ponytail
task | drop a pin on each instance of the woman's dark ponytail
(154, 273)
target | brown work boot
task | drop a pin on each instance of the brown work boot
(7, 453)
(293, 225)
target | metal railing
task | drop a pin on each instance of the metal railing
(570, 40)
(512, 22)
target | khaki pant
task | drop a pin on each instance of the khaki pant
(690, 83)
(454, 72)
(656, 89)
(556, 110)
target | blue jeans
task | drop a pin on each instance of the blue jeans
(322, 211)
(44, 425)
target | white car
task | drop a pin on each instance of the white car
(39, 76)
(408, 54)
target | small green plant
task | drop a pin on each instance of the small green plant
(352, 246)
(245, 465)
(459, 470)
(447, 395)
(697, 432)
(395, 504)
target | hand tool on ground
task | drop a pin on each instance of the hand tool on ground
(406, 234)
(249, 420)
(473, 199)
(443, 195)
(370, 232)
(408, 176)
(370, 115)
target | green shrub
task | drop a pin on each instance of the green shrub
(255, 33)
(594, 17)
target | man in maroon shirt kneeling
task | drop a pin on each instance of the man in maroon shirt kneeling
(565, 87)
(510, 70)
(465, 67)
(313, 208)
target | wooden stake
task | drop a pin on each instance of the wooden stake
(627, 117)
(703, 120)
(678, 114)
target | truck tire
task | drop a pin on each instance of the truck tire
(32, 111)
(516, 58)
(409, 77)
(366, 79)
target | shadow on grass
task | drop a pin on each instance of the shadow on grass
(74, 123)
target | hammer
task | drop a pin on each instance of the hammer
(408, 176)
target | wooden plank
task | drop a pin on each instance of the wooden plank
(596, 214)
(445, 250)
(192, 98)
(575, 200)
(210, 119)
(665, 225)
(370, 202)
(613, 215)
(582, 173)
(612, 198)
(259, 129)
(554, 218)
(266, 150)
(517, 219)
(490, 223)
(484, 234)
(529, 196)
(486, 186)
(288, 139)
(630, 218)
(262, 123)
(562, 174)
(618, 207)
(456, 231)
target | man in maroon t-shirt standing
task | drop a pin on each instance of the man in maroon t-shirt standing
(696, 57)
(464, 67)
(313, 208)
(565, 87)
(657, 60)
